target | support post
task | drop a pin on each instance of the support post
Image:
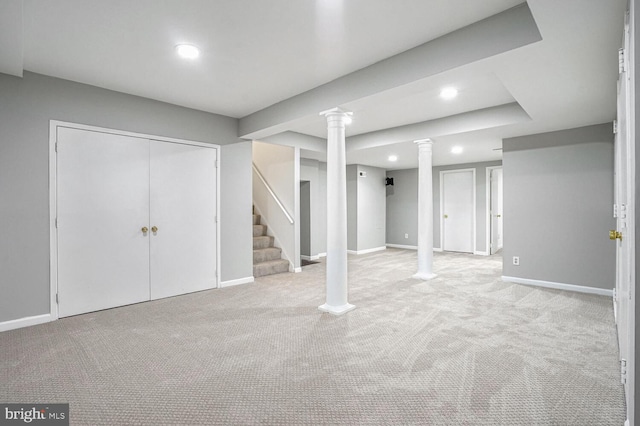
(336, 302)
(425, 210)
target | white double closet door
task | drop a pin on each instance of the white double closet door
(136, 219)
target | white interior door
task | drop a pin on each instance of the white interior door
(623, 212)
(458, 210)
(183, 209)
(102, 205)
(496, 210)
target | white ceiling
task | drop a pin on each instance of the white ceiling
(257, 53)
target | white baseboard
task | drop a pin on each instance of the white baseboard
(230, 283)
(481, 253)
(371, 250)
(25, 322)
(322, 255)
(297, 270)
(559, 286)
(438, 249)
(401, 246)
(310, 258)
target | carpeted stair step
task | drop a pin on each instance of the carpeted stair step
(270, 267)
(256, 219)
(262, 242)
(265, 254)
(259, 230)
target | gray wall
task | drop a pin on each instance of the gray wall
(352, 207)
(402, 204)
(26, 106)
(372, 210)
(558, 197)
(305, 218)
(316, 173)
(235, 216)
(402, 207)
(366, 208)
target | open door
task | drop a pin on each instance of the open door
(495, 209)
(624, 234)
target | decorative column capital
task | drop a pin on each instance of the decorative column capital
(423, 143)
(337, 117)
(336, 111)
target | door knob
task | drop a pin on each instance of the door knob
(154, 229)
(446, 216)
(498, 215)
(615, 235)
(144, 229)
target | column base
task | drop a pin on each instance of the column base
(423, 276)
(337, 310)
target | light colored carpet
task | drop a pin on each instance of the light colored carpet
(463, 349)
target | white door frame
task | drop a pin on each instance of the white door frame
(488, 205)
(442, 173)
(53, 235)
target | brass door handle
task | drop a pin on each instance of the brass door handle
(615, 235)
(498, 215)
(154, 229)
(144, 229)
(446, 216)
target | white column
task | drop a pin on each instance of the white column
(336, 214)
(425, 210)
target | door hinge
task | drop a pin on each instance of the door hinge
(56, 222)
(217, 164)
(615, 211)
(57, 300)
(623, 371)
(615, 127)
(621, 61)
(56, 147)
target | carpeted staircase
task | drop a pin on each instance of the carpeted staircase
(266, 258)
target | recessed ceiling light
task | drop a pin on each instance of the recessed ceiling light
(448, 93)
(393, 158)
(456, 150)
(187, 51)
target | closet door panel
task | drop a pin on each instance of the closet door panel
(102, 206)
(183, 209)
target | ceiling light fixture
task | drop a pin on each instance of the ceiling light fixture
(456, 150)
(187, 51)
(393, 158)
(448, 93)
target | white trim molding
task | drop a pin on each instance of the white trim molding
(310, 258)
(371, 250)
(400, 246)
(481, 253)
(239, 281)
(25, 322)
(559, 286)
